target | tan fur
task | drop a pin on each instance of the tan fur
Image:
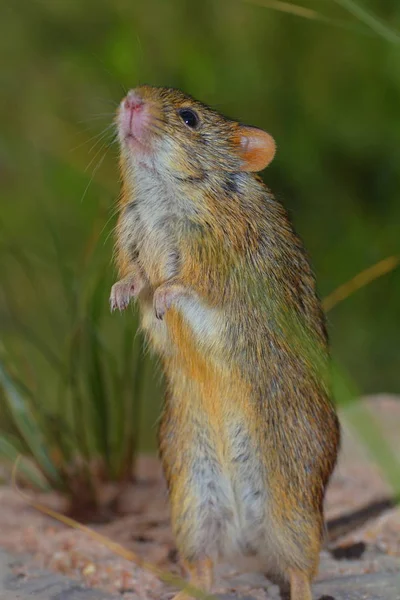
(248, 436)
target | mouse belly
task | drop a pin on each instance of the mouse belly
(214, 465)
(218, 494)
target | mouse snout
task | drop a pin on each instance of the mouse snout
(133, 101)
(134, 117)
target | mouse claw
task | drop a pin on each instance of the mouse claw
(165, 296)
(161, 303)
(121, 294)
(123, 291)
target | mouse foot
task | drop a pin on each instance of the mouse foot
(165, 296)
(124, 290)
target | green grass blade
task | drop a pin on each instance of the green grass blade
(134, 374)
(26, 425)
(96, 374)
(118, 415)
(54, 432)
(67, 277)
(9, 449)
(76, 395)
(27, 333)
(310, 14)
(370, 20)
(95, 387)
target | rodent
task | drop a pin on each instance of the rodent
(248, 436)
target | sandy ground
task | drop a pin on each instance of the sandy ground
(357, 511)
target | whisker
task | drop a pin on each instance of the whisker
(106, 142)
(93, 174)
(140, 46)
(97, 116)
(104, 133)
(95, 156)
(110, 233)
(91, 138)
(113, 213)
(107, 100)
(109, 72)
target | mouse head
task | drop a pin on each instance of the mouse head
(178, 137)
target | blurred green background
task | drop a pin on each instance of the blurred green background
(327, 89)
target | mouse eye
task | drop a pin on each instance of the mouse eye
(189, 117)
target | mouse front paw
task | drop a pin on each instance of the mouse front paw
(124, 290)
(166, 295)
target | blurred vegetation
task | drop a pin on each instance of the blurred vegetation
(324, 80)
(81, 432)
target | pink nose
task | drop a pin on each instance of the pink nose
(133, 101)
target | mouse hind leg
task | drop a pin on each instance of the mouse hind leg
(302, 558)
(300, 585)
(296, 545)
(200, 574)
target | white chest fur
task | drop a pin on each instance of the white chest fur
(157, 221)
(152, 223)
(206, 322)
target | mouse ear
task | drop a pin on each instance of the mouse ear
(256, 148)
